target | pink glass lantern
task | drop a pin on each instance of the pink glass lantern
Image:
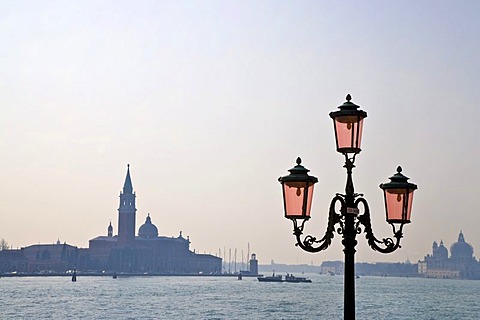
(398, 195)
(297, 192)
(348, 125)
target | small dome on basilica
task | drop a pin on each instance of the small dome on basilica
(461, 249)
(442, 252)
(148, 230)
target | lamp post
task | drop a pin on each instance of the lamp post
(298, 187)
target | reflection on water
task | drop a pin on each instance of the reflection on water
(229, 298)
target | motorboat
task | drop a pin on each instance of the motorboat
(288, 278)
(273, 278)
(292, 278)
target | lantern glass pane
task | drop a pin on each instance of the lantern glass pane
(349, 132)
(398, 204)
(295, 197)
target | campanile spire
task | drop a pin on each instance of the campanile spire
(127, 186)
(126, 213)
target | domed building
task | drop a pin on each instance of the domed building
(146, 252)
(461, 251)
(460, 265)
(442, 252)
(148, 230)
(124, 252)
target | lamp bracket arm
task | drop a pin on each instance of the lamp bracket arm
(309, 241)
(386, 245)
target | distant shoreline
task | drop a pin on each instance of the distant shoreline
(109, 274)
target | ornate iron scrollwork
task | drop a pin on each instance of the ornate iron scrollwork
(308, 243)
(389, 245)
(349, 206)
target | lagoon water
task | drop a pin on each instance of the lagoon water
(229, 298)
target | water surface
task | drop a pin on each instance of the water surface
(229, 298)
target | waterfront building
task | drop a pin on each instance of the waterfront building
(332, 267)
(253, 264)
(125, 252)
(386, 269)
(39, 258)
(252, 268)
(460, 265)
(397, 269)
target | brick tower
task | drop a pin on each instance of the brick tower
(126, 214)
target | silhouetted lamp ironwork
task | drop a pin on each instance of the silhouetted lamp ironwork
(349, 213)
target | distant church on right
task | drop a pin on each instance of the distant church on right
(460, 265)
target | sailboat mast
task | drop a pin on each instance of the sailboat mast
(248, 256)
(235, 260)
(229, 259)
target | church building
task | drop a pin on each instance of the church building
(460, 265)
(146, 252)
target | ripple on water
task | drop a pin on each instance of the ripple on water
(227, 298)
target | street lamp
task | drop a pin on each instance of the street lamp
(298, 187)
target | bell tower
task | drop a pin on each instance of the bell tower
(126, 213)
(110, 230)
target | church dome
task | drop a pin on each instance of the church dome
(148, 230)
(461, 249)
(442, 252)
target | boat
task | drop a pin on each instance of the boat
(292, 278)
(273, 278)
(288, 278)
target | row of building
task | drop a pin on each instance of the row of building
(459, 264)
(146, 252)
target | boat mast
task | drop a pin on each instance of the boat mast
(248, 256)
(235, 260)
(229, 260)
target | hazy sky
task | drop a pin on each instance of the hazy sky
(211, 101)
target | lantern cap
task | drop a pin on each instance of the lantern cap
(398, 181)
(348, 108)
(298, 173)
